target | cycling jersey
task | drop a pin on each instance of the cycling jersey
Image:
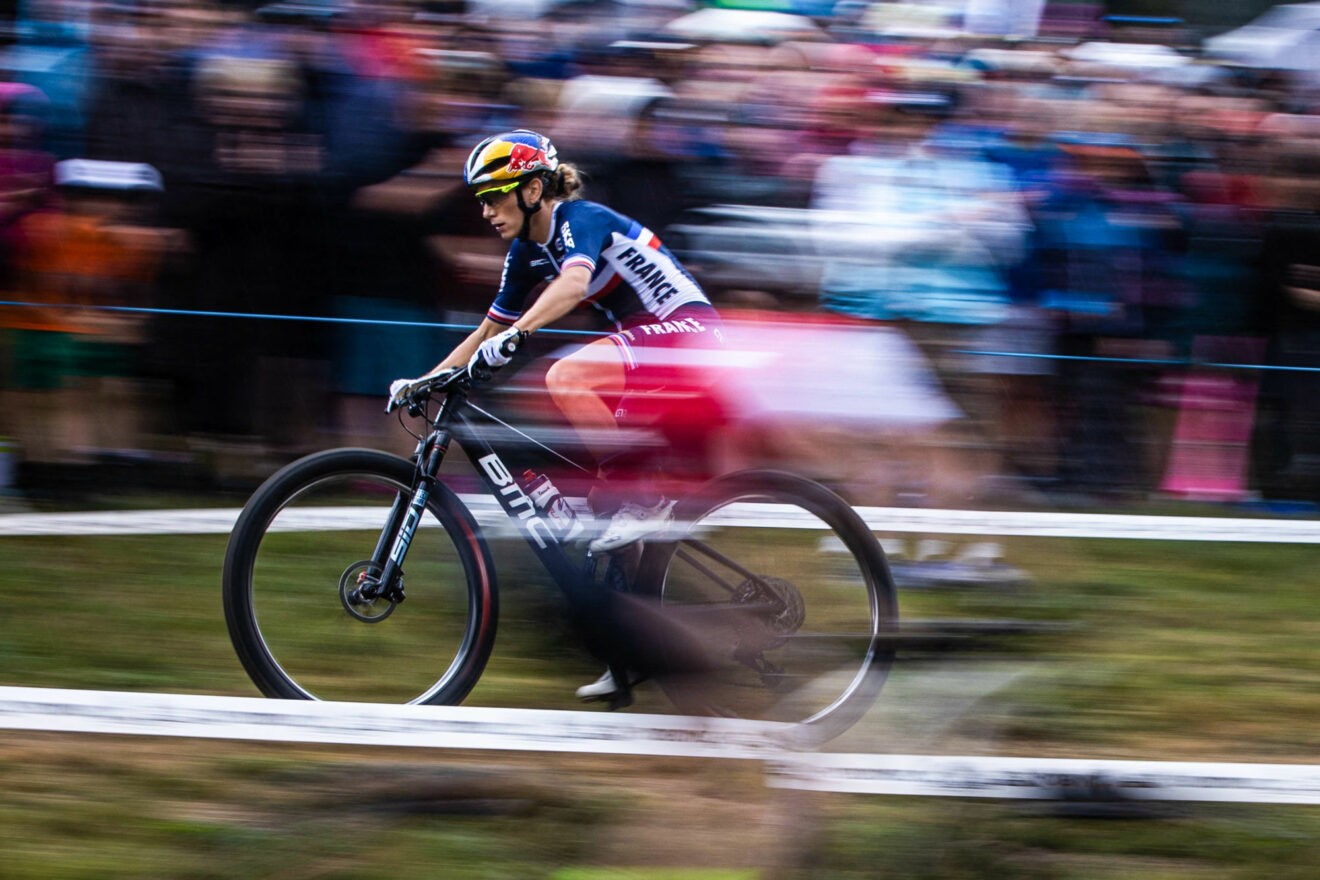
(634, 278)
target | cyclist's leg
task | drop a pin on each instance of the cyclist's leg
(588, 386)
(678, 367)
(649, 369)
(583, 385)
(628, 368)
(579, 385)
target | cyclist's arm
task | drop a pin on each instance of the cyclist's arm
(463, 352)
(559, 298)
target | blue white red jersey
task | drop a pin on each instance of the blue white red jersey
(634, 278)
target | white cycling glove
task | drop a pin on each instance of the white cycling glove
(399, 390)
(498, 350)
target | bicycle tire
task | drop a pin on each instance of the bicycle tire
(305, 533)
(797, 611)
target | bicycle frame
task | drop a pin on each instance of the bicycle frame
(491, 444)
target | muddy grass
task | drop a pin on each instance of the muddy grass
(75, 806)
(116, 807)
(1175, 651)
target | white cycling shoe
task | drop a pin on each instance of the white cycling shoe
(601, 689)
(632, 523)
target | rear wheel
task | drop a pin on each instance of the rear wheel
(790, 593)
(300, 552)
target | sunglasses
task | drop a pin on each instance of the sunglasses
(496, 194)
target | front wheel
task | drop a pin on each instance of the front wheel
(299, 552)
(790, 593)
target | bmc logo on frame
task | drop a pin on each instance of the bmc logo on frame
(515, 500)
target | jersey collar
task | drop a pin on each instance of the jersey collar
(554, 224)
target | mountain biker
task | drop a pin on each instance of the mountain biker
(587, 254)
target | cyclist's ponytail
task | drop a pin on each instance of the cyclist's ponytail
(565, 183)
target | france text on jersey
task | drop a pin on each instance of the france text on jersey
(633, 276)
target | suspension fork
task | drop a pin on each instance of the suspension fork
(404, 518)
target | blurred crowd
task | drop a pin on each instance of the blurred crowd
(1057, 227)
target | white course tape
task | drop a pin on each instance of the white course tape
(371, 724)
(1050, 778)
(880, 519)
(476, 728)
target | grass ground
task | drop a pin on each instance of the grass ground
(1162, 650)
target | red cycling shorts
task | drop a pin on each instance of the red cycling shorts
(673, 368)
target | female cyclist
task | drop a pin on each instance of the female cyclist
(588, 254)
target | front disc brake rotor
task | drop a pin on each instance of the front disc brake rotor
(361, 593)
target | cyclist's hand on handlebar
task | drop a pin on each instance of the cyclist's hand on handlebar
(413, 393)
(496, 351)
(400, 391)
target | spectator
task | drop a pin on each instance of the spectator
(26, 169)
(920, 228)
(1288, 454)
(135, 96)
(1107, 252)
(76, 361)
(26, 178)
(52, 55)
(245, 189)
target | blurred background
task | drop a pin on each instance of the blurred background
(973, 253)
(985, 252)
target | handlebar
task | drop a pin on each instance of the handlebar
(453, 379)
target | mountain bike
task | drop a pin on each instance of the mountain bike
(768, 598)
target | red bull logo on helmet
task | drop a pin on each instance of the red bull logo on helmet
(525, 158)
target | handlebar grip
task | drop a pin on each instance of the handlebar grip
(422, 389)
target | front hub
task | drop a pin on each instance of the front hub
(364, 596)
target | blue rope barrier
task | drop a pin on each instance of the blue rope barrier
(1159, 362)
(202, 313)
(196, 313)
